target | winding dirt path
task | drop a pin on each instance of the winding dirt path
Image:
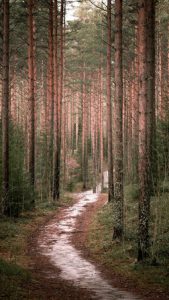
(68, 274)
(62, 264)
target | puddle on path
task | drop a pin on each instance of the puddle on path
(55, 243)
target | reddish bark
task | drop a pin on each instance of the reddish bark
(118, 130)
(55, 150)
(31, 77)
(144, 124)
(5, 111)
(58, 112)
(109, 106)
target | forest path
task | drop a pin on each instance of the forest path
(64, 270)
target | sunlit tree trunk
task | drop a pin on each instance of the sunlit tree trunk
(5, 110)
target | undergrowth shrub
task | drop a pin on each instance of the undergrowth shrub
(21, 193)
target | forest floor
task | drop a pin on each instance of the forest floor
(42, 278)
(50, 286)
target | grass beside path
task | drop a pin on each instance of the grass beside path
(121, 259)
(15, 277)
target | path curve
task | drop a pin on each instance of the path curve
(54, 242)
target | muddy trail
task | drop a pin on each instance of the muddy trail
(59, 264)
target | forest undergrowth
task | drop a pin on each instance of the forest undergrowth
(121, 258)
(15, 276)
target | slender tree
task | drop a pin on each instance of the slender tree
(5, 110)
(51, 89)
(118, 125)
(55, 150)
(31, 77)
(109, 106)
(145, 15)
(57, 159)
(84, 130)
(151, 123)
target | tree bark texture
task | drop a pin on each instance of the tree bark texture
(5, 111)
(31, 78)
(144, 149)
(151, 123)
(118, 126)
(109, 106)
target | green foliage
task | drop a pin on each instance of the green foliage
(13, 278)
(70, 186)
(21, 194)
(121, 257)
(8, 269)
(132, 192)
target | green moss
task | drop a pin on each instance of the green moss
(10, 269)
(15, 279)
(122, 257)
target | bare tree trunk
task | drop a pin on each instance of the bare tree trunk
(144, 193)
(135, 131)
(84, 132)
(101, 122)
(151, 122)
(51, 92)
(109, 106)
(5, 111)
(55, 154)
(118, 115)
(31, 73)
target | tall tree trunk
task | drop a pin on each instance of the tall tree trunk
(135, 131)
(151, 122)
(118, 115)
(31, 77)
(144, 193)
(51, 91)
(101, 121)
(5, 110)
(84, 131)
(55, 154)
(93, 135)
(109, 106)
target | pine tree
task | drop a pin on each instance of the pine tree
(5, 110)
(118, 125)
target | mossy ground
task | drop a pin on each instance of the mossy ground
(121, 258)
(15, 277)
